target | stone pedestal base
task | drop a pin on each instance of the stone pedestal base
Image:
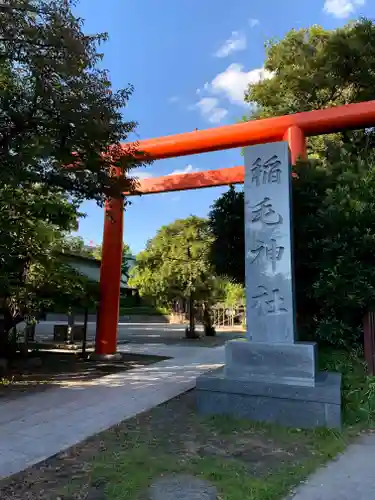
(293, 364)
(284, 404)
(272, 383)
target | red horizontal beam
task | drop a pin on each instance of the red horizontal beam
(194, 180)
(324, 121)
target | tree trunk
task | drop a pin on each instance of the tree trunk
(209, 330)
(190, 332)
(8, 347)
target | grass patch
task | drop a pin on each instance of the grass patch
(245, 470)
(358, 389)
(245, 460)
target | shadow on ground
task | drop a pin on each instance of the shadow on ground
(44, 370)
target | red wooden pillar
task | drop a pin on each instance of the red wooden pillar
(297, 143)
(369, 341)
(110, 277)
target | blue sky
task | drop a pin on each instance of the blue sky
(190, 62)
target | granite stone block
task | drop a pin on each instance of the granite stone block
(327, 387)
(270, 303)
(287, 405)
(293, 364)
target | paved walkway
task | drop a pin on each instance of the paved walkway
(350, 477)
(35, 427)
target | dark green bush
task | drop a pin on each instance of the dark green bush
(334, 240)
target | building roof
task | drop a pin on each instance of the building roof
(89, 267)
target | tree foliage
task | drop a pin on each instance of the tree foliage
(61, 128)
(76, 245)
(333, 194)
(47, 283)
(176, 263)
(57, 107)
(30, 226)
(314, 68)
(226, 223)
(233, 293)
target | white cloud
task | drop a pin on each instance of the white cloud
(187, 170)
(173, 99)
(233, 82)
(217, 115)
(205, 87)
(210, 109)
(342, 8)
(230, 84)
(253, 23)
(236, 42)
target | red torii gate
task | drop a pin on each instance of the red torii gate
(291, 128)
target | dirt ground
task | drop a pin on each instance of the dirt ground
(120, 463)
(43, 370)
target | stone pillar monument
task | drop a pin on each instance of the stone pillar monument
(269, 376)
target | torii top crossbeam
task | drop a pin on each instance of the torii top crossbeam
(292, 128)
(311, 123)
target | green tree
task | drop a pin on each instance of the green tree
(314, 68)
(175, 264)
(164, 271)
(333, 193)
(57, 110)
(234, 294)
(56, 106)
(47, 282)
(226, 223)
(127, 260)
(77, 246)
(30, 228)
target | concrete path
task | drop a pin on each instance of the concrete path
(350, 477)
(132, 332)
(35, 427)
(126, 331)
